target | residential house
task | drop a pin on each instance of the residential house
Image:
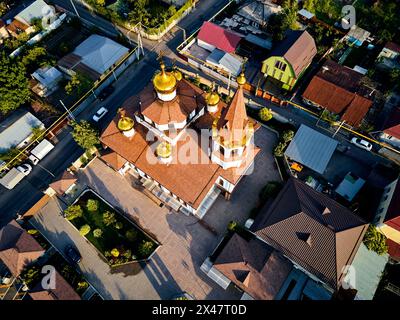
(17, 248)
(391, 129)
(63, 184)
(62, 291)
(16, 130)
(93, 57)
(256, 13)
(339, 89)
(22, 22)
(45, 81)
(387, 218)
(389, 57)
(291, 57)
(357, 36)
(149, 143)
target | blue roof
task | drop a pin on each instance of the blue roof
(311, 148)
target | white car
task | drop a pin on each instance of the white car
(25, 168)
(100, 114)
(361, 143)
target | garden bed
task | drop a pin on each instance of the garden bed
(118, 239)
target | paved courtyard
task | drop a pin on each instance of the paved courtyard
(185, 243)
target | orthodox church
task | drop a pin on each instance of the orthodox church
(184, 145)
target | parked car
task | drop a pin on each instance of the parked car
(106, 93)
(25, 168)
(361, 143)
(100, 114)
(73, 254)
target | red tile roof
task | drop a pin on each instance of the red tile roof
(62, 184)
(253, 266)
(392, 217)
(18, 248)
(340, 94)
(220, 38)
(394, 249)
(393, 46)
(114, 160)
(312, 230)
(392, 125)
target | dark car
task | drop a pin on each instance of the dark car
(106, 93)
(73, 254)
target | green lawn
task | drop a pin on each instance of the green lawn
(131, 247)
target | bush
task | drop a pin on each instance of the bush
(265, 114)
(131, 235)
(375, 240)
(115, 252)
(33, 231)
(84, 230)
(146, 248)
(232, 225)
(73, 212)
(109, 218)
(119, 225)
(92, 205)
(127, 254)
(271, 190)
(97, 233)
(287, 136)
(279, 149)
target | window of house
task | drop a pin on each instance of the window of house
(280, 65)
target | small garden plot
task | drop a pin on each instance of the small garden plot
(118, 239)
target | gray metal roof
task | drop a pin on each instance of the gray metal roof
(311, 148)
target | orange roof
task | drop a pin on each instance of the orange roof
(188, 98)
(18, 248)
(61, 185)
(15, 26)
(114, 160)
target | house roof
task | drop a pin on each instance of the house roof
(62, 184)
(253, 266)
(18, 248)
(114, 160)
(73, 62)
(311, 148)
(338, 89)
(100, 53)
(393, 46)
(225, 60)
(350, 186)
(15, 26)
(62, 290)
(298, 48)
(312, 230)
(16, 128)
(358, 33)
(258, 11)
(392, 124)
(37, 9)
(47, 75)
(392, 217)
(219, 37)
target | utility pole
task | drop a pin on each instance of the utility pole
(337, 130)
(76, 11)
(69, 112)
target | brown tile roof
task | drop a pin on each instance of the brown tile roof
(338, 90)
(392, 217)
(298, 48)
(37, 206)
(253, 266)
(62, 184)
(73, 62)
(16, 26)
(393, 46)
(188, 98)
(392, 124)
(62, 291)
(114, 160)
(312, 230)
(18, 248)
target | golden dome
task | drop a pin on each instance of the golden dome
(125, 123)
(212, 98)
(164, 150)
(164, 82)
(241, 79)
(178, 75)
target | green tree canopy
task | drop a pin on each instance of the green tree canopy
(84, 134)
(73, 212)
(265, 114)
(14, 87)
(84, 230)
(375, 240)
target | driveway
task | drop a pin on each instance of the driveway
(185, 243)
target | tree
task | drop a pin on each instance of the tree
(109, 218)
(78, 82)
(85, 135)
(375, 240)
(92, 205)
(97, 233)
(35, 58)
(309, 5)
(131, 235)
(84, 230)
(119, 225)
(146, 248)
(279, 149)
(265, 114)
(287, 136)
(14, 86)
(73, 212)
(115, 252)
